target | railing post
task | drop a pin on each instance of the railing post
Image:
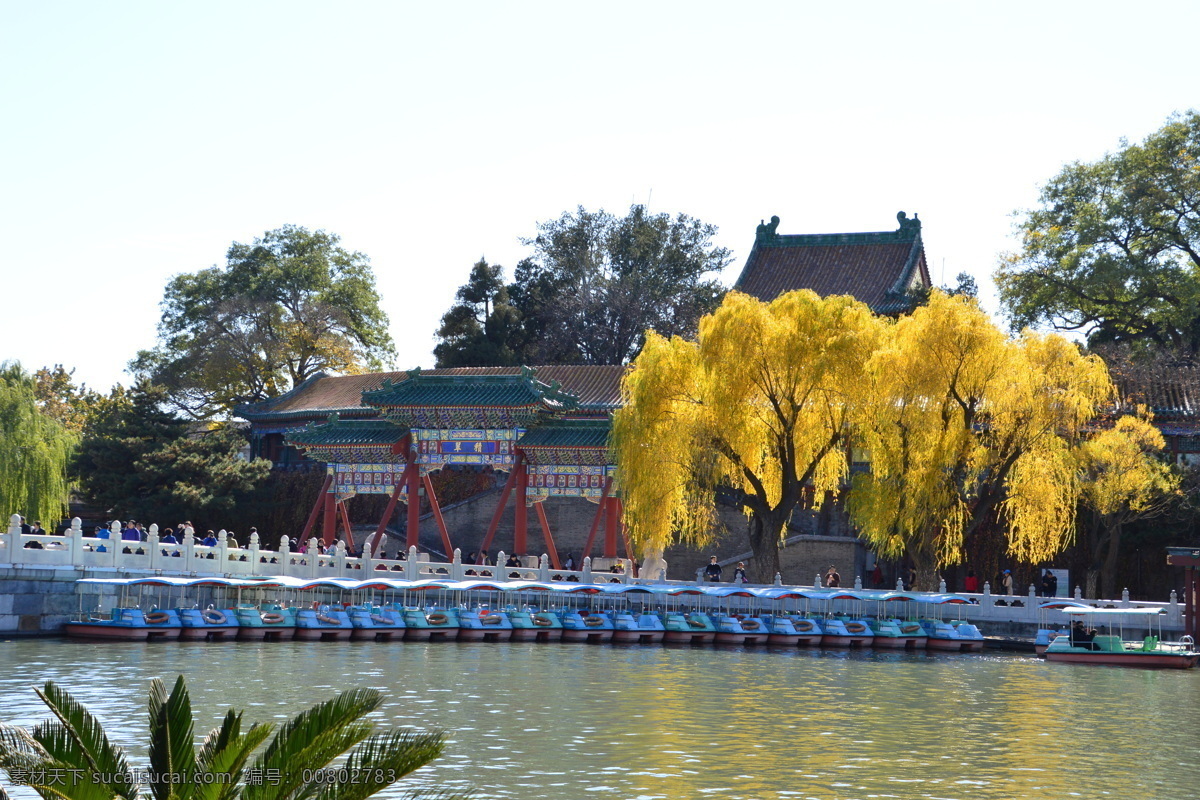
(1173, 615)
(412, 570)
(12, 539)
(587, 569)
(339, 559)
(456, 568)
(858, 583)
(314, 557)
(987, 601)
(367, 558)
(501, 558)
(222, 551)
(1078, 592)
(254, 554)
(152, 547)
(189, 549)
(1032, 594)
(114, 542)
(544, 568)
(75, 541)
(779, 579)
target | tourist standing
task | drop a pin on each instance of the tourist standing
(712, 572)
(569, 564)
(832, 579)
(1049, 584)
(1007, 582)
(971, 582)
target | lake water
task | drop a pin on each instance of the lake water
(578, 721)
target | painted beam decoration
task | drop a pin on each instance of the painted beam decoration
(491, 447)
(562, 480)
(352, 479)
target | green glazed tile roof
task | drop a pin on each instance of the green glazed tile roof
(876, 267)
(342, 433)
(521, 390)
(567, 434)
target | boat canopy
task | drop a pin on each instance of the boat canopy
(1119, 612)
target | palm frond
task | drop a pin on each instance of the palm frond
(379, 762)
(172, 751)
(311, 740)
(79, 741)
(219, 772)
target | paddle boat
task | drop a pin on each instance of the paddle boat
(808, 630)
(845, 632)
(1083, 645)
(631, 628)
(1046, 631)
(375, 622)
(484, 625)
(529, 625)
(323, 623)
(271, 622)
(687, 627)
(733, 629)
(780, 630)
(211, 623)
(586, 626)
(129, 624)
(432, 624)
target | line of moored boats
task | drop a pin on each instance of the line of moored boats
(521, 611)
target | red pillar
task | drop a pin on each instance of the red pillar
(611, 517)
(329, 522)
(521, 515)
(414, 507)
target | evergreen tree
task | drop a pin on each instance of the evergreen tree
(482, 328)
(139, 460)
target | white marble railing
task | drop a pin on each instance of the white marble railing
(76, 551)
(73, 550)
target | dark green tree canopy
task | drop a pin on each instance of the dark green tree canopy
(1113, 249)
(282, 309)
(481, 329)
(139, 460)
(594, 284)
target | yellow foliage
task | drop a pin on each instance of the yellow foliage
(966, 421)
(761, 403)
(1122, 473)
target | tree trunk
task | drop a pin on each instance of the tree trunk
(764, 543)
(925, 566)
(1108, 570)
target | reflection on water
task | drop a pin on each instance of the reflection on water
(559, 721)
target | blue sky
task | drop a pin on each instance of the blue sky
(140, 139)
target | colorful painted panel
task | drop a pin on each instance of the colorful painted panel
(352, 479)
(493, 447)
(555, 480)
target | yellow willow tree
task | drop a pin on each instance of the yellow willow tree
(761, 405)
(1123, 481)
(969, 428)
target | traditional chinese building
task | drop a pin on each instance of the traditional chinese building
(546, 428)
(882, 269)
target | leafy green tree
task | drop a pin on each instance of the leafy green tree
(70, 756)
(596, 283)
(35, 449)
(140, 460)
(1113, 249)
(58, 397)
(482, 328)
(287, 306)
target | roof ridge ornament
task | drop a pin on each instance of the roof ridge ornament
(908, 226)
(766, 230)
